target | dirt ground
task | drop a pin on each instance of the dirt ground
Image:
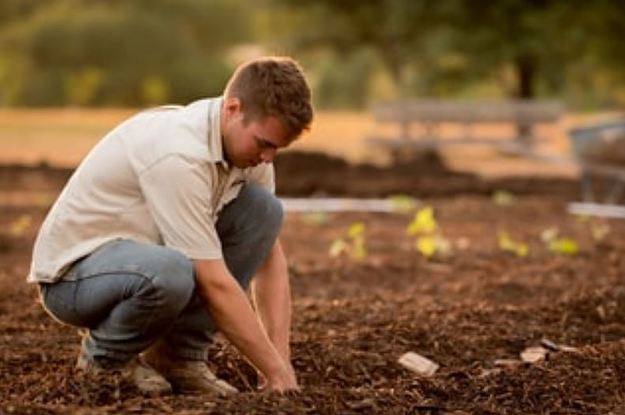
(353, 318)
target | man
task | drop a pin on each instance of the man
(157, 234)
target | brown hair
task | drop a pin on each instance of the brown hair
(273, 86)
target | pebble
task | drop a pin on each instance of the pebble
(418, 364)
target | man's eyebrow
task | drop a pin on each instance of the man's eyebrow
(266, 142)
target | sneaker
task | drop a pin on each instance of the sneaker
(188, 375)
(144, 377)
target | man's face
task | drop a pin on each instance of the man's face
(247, 144)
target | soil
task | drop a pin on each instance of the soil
(353, 318)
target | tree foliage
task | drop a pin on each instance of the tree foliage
(117, 52)
(143, 52)
(528, 48)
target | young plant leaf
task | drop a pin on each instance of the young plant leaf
(356, 230)
(403, 203)
(20, 225)
(507, 244)
(423, 222)
(315, 218)
(564, 246)
(599, 230)
(503, 198)
(359, 251)
(426, 245)
(430, 245)
(549, 234)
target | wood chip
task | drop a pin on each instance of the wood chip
(569, 349)
(534, 354)
(418, 364)
(549, 345)
(507, 362)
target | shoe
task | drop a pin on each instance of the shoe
(188, 375)
(147, 380)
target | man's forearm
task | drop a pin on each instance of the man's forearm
(235, 317)
(272, 296)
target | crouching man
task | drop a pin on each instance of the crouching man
(158, 233)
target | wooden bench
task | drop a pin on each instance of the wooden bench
(430, 115)
(599, 150)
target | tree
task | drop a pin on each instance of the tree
(393, 28)
(112, 52)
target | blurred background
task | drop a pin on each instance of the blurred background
(72, 69)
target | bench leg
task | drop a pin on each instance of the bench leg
(586, 185)
(616, 192)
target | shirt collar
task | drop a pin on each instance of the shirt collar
(215, 143)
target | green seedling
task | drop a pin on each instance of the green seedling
(599, 230)
(549, 234)
(315, 218)
(403, 203)
(353, 244)
(583, 218)
(503, 198)
(507, 244)
(20, 225)
(428, 246)
(557, 244)
(429, 241)
(423, 222)
(564, 246)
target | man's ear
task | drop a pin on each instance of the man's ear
(232, 106)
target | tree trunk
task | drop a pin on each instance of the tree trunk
(394, 62)
(525, 66)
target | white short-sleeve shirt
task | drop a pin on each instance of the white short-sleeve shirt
(159, 177)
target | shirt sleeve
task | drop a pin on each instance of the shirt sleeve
(263, 175)
(178, 193)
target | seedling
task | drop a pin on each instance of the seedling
(599, 230)
(428, 246)
(19, 226)
(353, 244)
(429, 241)
(315, 218)
(564, 246)
(507, 244)
(423, 222)
(403, 203)
(557, 244)
(503, 198)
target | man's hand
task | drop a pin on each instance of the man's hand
(280, 382)
(233, 313)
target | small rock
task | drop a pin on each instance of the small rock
(534, 354)
(419, 364)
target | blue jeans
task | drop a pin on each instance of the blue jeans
(130, 294)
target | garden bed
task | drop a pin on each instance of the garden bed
(354, 317)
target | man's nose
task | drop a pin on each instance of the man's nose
(267, 155)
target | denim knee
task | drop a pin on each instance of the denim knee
(266, 210)
(175, 280)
